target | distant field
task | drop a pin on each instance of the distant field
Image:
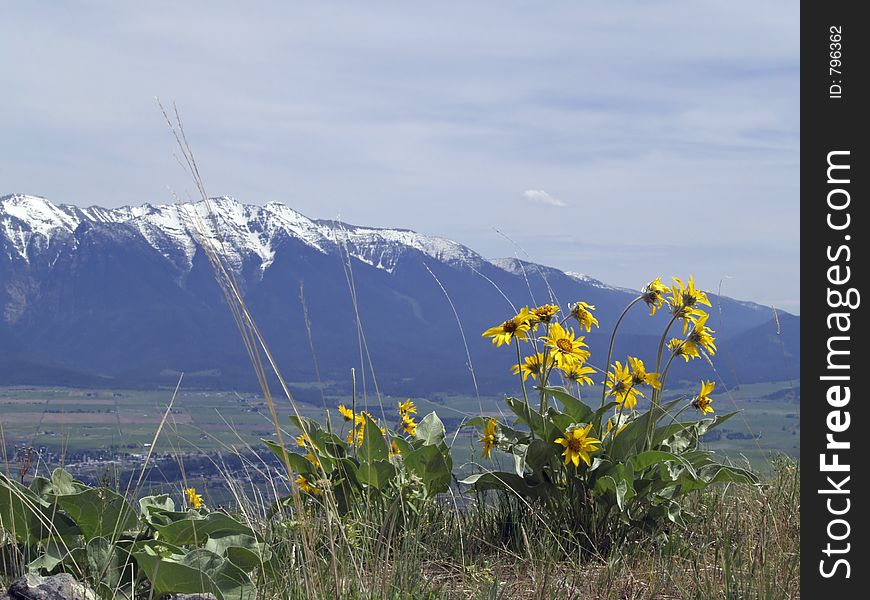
(83, 420)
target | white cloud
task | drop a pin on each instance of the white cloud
(542, 197)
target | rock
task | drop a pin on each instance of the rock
(56, 587)
(191, 597)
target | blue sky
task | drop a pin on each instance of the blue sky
(623, 140)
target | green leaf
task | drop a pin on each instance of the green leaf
(430, 430)
(22, 512)
(106, 560)
(191, 528)
(433, 465)
(244, 551)
(168, 574)
(297, 462)
(374, 447)
(535, 456)
(509, 482)
(632, 439)
(99, 512)
(377, 474)
(576, 408)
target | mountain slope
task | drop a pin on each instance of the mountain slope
(128, 295)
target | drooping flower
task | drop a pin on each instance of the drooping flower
(703, 400)
(578, 374)
(408, 424)
(583, 313)
(544, 313)
(306, 486)
(394, 448)
(345, 412)
(406, 408)
(488, 437)
(700, 337)
(653, 294)
(618, 429)
(566, 350)
(533, 365)
(193, 499)
(516, 327)
(678, 348)
(640, 376)
(578, 444)
(620, 384)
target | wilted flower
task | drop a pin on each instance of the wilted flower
(583, 313)
(702, 401)
(653, 294)
(488, 437)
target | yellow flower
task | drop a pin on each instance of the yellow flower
(313, 459)
(620, 384)
(345, 412)
(702, 401)
(409, 425)
(304, 441)
(359, 428)
(653, 294)
(639, 375)
(488, 437)
(684, 300)
(306, 486)
(407, 407)
(544, 313)
(700, 337)
(193, 499)
(533, 365)
(618, 430)
(566, 350)
(583, 313)
(394, 448)
(516, 327)
(578, 445)
(678, 348)
(578, 374)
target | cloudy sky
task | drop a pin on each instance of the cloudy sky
(623, 140)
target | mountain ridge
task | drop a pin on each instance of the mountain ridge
(126, 294)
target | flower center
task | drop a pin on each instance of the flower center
(510, 326)
(564, 344)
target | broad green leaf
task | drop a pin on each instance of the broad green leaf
(632, 439)
(430, 430)
(106, 560)
(244, 551)
(297, 462)
(191, 528)
(377, 474)
(374, 446)
(433, 465)
(509, 482)
(168, 574)
(576, 408)
(99, 512)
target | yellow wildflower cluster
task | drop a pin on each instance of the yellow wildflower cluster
(623, 381)
(562, 349)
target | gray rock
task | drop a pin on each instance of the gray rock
(56, 587)
(193, 597)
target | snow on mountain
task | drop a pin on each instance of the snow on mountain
(239, 230)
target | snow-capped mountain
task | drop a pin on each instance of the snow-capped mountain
(30, 224)
(127, 296)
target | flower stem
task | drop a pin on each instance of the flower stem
(610, 348)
